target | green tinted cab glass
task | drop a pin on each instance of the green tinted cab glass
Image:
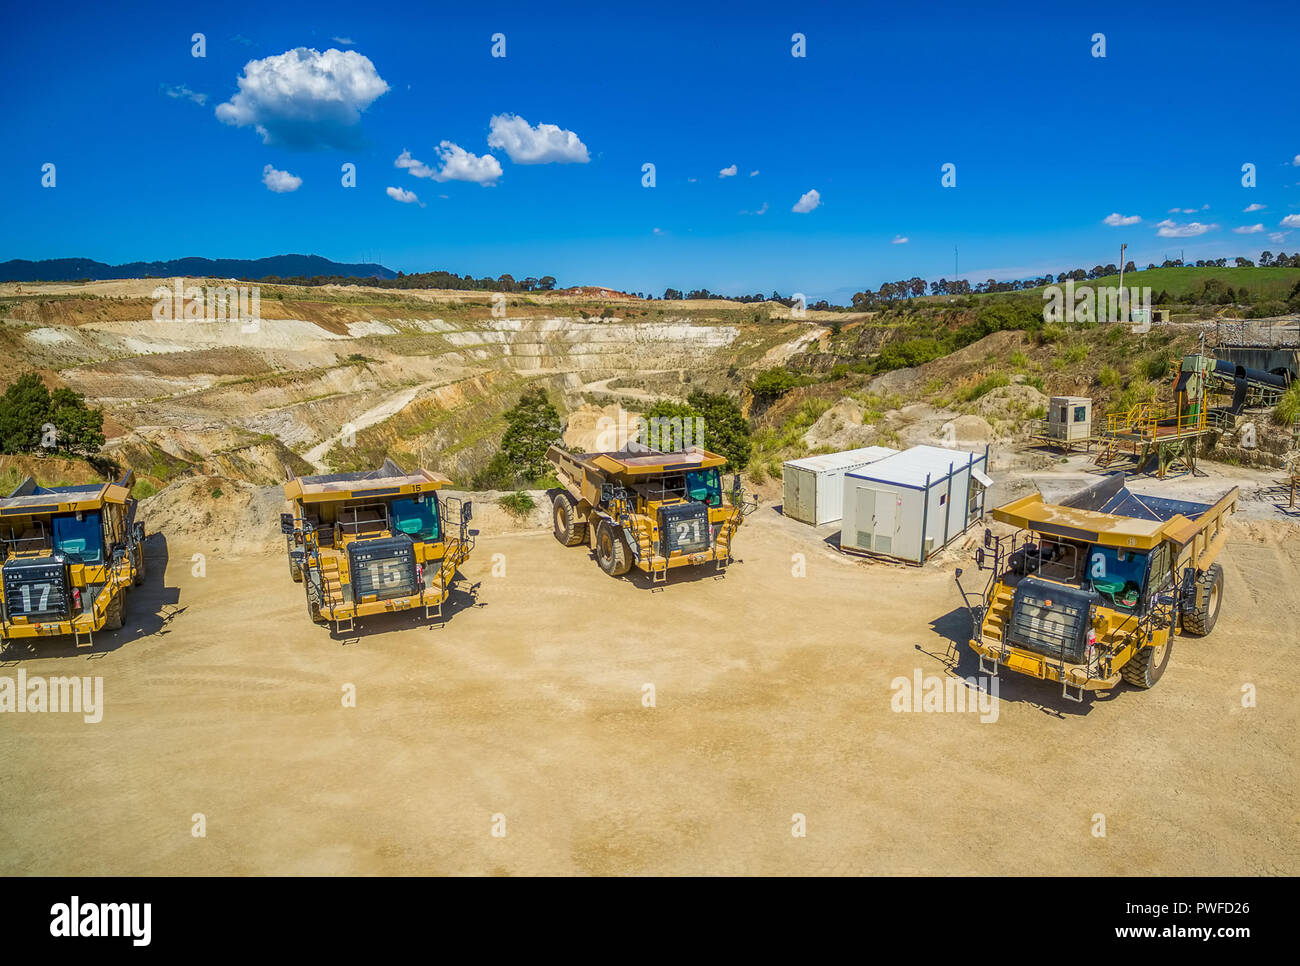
(417, 520)
(705, 486)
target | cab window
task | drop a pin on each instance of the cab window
(82, 540)
(705, 486)
(418, 520)
(1117, 574)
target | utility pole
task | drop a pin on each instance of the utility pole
(1123, 302)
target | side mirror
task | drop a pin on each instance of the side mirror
(466, 511)
(606, 493)
(988, 538)
(957, 574)
(286, 523)
(138, 531)
(735, 487)
(979, 558)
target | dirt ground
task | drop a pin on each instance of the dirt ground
(772, 699)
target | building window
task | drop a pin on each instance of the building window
(1080, 413)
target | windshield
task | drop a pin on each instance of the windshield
(416, 520)
(1117, 574)
(82, 540)
(705, 486)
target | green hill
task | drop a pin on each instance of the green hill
(1262, 283)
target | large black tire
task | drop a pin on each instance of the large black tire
(568, 529)
(1207, 597)
(611, 551)
(294, 571)
(1148, 665)
(313, 605)
(115, 616)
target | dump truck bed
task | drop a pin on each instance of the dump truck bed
(634, 461)
(1109, 513)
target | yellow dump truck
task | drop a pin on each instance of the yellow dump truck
(638, 507)
(374, 542)
(70, 554)
(1095, 589)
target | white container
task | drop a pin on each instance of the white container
(814, 485)
(909, 505)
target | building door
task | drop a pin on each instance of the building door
(877, 520)
(886, 521)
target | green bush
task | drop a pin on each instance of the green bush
(1287, 411)
(1156, 367)
(985, 386)
(518, 504)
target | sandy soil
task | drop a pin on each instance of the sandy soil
(773, 697)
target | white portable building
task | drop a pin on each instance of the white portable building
(911, 504)
(814, 485)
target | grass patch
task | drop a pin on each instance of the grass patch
(518, 504)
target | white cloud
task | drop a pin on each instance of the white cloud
(1115, 219)
(1173, 211)
(280, 181)
(179, 91)
(402, 195)
(692, 180)
(1254, 207)
(1171, 229)
(760, 211)
(807, 202)
(754, 173)
(727, 172)
(1291, 221)
(304, 98)
(1205, 207)
(543, 144)
(900, 240)
(457, 165)
(1278, 237)
(345, 41)
(1295, 162)
(1248, 229)
(659, 231)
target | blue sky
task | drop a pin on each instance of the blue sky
(1047, 139)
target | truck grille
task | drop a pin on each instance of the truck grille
(382, 569)
(1052, 620)
(684, 527)
(37, 588)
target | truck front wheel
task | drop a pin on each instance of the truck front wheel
(568, 529)
(1207, 597)
(611, 551)
(115, 615)
(1147, 666)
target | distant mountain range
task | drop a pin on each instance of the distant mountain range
(283, 266)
